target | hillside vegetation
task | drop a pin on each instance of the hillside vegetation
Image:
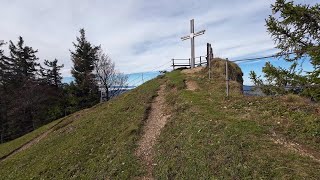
(207, 136)
(211, 136)
(96, 143)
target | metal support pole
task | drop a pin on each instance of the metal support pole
(227, 77)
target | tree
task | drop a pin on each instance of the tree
(111, 82)
(27, 100)
(52, 75)
(3, 63)
(296, 31)
(3, 104)
(83, 59)
(23, 61)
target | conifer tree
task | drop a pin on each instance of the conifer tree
(52, 74)
(3, 104)
(83, 58)
(23, 61)
(295, 29)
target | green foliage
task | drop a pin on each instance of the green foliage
(277, 80)
(296, 29)
(28, 100)
(23, 61)
(95, 143)
(83, 59)
(52, 75)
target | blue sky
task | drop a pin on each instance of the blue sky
(140, 35)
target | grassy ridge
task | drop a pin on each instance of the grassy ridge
(208, 136)
(212, 137)
(98, 144)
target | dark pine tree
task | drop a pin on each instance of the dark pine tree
(25, 96)
(51, 75)
(83, 58)
(3, 98)
(23, 60)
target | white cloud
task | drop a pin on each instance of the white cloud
(139, 35)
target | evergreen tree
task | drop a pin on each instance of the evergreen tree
(5, 68)
(3, 104)
(2, 63)
(296, 31)
(23, 60)
(83, 59)
(27, 103)
(51, 74)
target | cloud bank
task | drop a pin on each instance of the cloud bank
(141, 34)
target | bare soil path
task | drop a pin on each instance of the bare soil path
(155, 122)
(301, 150)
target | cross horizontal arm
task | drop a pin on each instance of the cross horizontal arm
(199, 33)
(185, 38)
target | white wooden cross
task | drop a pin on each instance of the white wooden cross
(192, 36)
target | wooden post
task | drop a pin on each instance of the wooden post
(227, 77)
(209, 59)
(200, 60)
(208, 53)
(173, 64)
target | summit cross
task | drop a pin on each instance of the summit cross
(192, 36)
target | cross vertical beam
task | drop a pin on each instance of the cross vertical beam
(192, 65)
(191, 37)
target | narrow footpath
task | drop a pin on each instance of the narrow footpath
(155, 122)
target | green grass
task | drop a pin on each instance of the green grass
(210, 136)
(99, 143)
(8, 147)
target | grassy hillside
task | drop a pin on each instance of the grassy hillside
(96, 143)
(208, 136)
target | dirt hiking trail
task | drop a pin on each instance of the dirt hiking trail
(155, 122)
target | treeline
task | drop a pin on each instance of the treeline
(32, 94)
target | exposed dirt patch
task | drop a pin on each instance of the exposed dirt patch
(191, 85)
(155, 122)
(300, 149)
(192, 71)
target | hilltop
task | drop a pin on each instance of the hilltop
(196, 133)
